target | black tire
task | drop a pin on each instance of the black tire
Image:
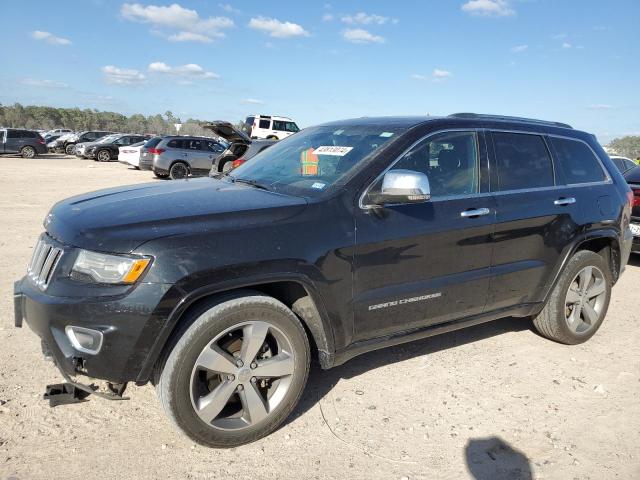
(28, 152)
(174, 378)
(70, 149)
(103, 156)
(178, 171)
(552, 321)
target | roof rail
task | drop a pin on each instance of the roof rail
(505, 118)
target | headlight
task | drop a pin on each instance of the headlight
(104, 268)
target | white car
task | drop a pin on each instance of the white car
(624, 164)
(130, 154)
(270, 127)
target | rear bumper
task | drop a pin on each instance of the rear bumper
(129, 325)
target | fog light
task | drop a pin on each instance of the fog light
(84, 339)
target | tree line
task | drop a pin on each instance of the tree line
(628, 146)
(44, 118)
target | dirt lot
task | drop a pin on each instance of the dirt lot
(494, 401)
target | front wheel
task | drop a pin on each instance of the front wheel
(28, 152)
(237, 371)
(103, 156)
(579, 302)
(70, 149)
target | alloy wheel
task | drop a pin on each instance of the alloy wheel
(241, 376)
(178, 171)
(104, 156)
(28, 152)
(585, 299)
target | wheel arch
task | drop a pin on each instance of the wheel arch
(296, 293)
(604, 242)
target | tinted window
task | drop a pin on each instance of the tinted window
(285, 126)
(153, 142)
(13, 134)
(265, 124)
(249, 121)
(619, 164)
(176, 143)
(577, 161)
(214, 147)
(193, 144)
(523, 161)
(450, 161)
(30, 134)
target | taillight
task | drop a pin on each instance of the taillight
(634, 198)
(156, 151)
(236, 163)
(41, 141)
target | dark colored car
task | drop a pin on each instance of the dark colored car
(27, 143)
(241, 147)
(108, 151)
(632, 176)
(341, 239)
(622, 163)
(68, 146)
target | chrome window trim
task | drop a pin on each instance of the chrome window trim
(407, 150)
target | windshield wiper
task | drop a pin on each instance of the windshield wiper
(253, 183)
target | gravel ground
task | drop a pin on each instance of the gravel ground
(495, 401)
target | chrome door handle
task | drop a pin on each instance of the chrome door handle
(476, 212)
(565, 201)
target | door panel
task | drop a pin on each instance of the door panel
(421, 264)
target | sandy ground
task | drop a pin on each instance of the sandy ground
(492, 402)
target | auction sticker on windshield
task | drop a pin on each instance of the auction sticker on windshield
(332, 150)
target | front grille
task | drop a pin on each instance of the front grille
(43, 263)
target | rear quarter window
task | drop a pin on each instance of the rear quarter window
(153, 142)
(577, 160)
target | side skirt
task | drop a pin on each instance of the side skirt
(329, 360)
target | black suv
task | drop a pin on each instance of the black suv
(338, 240)
(108, 151)
(69, 145)
(27, 143)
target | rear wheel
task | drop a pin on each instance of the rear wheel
(179, 170)
(28, 152)
(579, 302)
(236, 372)
(103, 156)
(70, 149)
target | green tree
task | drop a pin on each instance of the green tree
(628, 146)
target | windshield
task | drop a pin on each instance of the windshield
(314, 159)
(108, 138)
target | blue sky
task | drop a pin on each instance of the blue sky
(576, 61)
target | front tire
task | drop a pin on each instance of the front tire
(103, 156)
(236, 372)
(70, 149)
(579, 301)
(28, 152)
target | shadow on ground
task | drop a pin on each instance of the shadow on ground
(494, 459)
(322, 381)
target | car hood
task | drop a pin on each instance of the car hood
(120, 219)
(227, 131)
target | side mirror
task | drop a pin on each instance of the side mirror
(402, 186)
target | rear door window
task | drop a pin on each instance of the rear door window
(577, 160)
(193, 144)
(176, 143)
(13, 134)
(266, 124)
(523, 161)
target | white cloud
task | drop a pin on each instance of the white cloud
(559, 36)
(519, 48)
(43, 83)
(123, 76)
(600, 106)
(277, 29)
(359, 35)
(50, 38)
(566, 45)
(229, 8)
(189, 37)
(190, 70)
(489, 8)
(417, 76)
(327, 17)
(251, 101)
(363, 18)
(179, 23)
(440, 75)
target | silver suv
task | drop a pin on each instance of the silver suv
(178, 157)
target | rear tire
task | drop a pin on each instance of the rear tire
(579, 301)
(70, 149)
(235, 400)
(28, 152)
(178, 171)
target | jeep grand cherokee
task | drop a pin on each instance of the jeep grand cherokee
(341, 239)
